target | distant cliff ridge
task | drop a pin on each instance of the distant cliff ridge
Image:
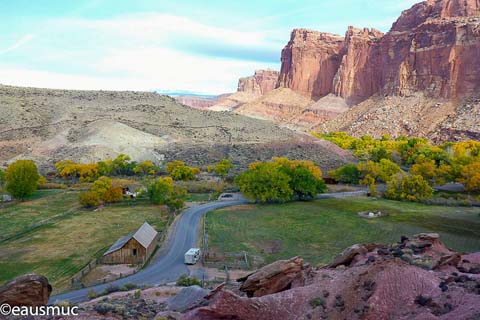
(433, 48)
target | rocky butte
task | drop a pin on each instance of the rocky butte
(421, 78)
(433, 48)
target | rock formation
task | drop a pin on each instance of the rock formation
(201, 103)
(417, 278)
(262, 82)
(273, 278)
(433, 48)
(310, 61)
(27, 290)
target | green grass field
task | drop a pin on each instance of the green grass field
(321, 229)
(63, 246)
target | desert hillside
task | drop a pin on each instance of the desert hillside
(48, 125)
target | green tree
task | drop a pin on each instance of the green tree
(178, 170)
(144, 168)
(121, 165)
(265, 182)
(21, 179)
(346, 174)
(470, 176)
(408, 187)
(101, 186)
(2, 179)
(163, 191)
(222, 168)
(304, 184)
(104, 167)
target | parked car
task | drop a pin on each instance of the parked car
(226, 196)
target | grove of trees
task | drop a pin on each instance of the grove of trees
(383, 159)
(281, 180)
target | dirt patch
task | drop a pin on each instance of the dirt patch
(270, 247)
(106, 273)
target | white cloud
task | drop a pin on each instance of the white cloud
(23, 40)
(140, 52)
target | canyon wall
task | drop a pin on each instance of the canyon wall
(433, 48)
(262, 82)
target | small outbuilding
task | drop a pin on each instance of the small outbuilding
(134, 248)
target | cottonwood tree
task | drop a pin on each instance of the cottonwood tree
(21, 179)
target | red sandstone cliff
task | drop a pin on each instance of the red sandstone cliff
(310, 61)
(433, 48)
(262, 82)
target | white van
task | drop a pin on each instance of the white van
(192, 256)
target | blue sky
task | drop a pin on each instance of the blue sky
(194, 45)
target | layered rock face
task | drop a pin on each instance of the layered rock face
(262, 82)
(310, 61)
(433, 48)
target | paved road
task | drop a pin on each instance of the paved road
(169, 264)
(167, 267)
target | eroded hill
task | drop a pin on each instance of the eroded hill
(49, 125)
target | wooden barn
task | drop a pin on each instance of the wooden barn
(134, 248)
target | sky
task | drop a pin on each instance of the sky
(164, 45)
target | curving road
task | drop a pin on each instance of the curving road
(168, 266)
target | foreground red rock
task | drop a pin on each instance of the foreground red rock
(275, 277)
(414, 279)
(27, 290)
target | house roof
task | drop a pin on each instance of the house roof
(144, 235)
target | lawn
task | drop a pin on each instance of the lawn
(321, 229)
(62, 247)
(44, 204)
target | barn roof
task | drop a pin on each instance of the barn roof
(144, 235)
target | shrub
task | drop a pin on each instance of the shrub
(89, 199)
(91, 294)
(51, 185)
(130, 285)
(137, 294)
(185, 281)
(317, 302)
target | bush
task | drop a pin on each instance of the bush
(317, 302)
(91, 294)
(185, 281)
(89, 199)
(137, 294)
(129, 286)
(51, 185)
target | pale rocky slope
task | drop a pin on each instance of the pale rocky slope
(49, 125)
